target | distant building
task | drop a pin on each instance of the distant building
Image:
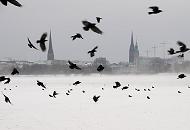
(50, 55)
(133, 52)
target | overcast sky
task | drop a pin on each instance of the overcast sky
(120, 18)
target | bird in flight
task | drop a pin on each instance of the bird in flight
(73, 66)
(117, 85)
(98, 19)
(78, 35)
(171, 51)
(155, 10)
(42, 42)
(181, 56)
(96, 98)
(7, 100)
(15, 71)
(183, 48)
(3, 78)
(41, 84)
(31, 45)
(92, 52)
(54, 94)
(181, 76)
(92, 26)
(100, 68)
(14, 2)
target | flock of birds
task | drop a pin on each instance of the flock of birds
(87, 26)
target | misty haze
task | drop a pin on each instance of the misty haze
(69, 65)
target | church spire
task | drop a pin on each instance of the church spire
(132, 50)
(50, 55)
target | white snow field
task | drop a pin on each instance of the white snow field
(33, 109)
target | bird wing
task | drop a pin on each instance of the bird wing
(70, 63)
(4, 2)
(181, 44)
(96, 47)
(30, 43)
(96, 29)
(44, 35)
(14, 2)
(86, 23)
(154, 8)
(43, 46)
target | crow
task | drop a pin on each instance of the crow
(126, 87)
(130, 96)
(179, 91)
(92, 26)
(181, 76)
(171, 51)
(117, 85)
(76, 83)
(92, 52)
(73, 66)
(7, 100)
(183, 48)
(149, 90)
(42, 42)
(98, 19)
(100, 68)
(155, 10)
(78, 35)
(54, 94)
(31, 45)
(41, 84)
(14, 2)
(15, 71)
(83, 91)
(3, 78)
(96, 98)
(148, 97)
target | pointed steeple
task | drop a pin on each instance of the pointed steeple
(131, 50)
(136, 49)
(50, 55)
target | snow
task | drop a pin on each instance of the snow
(33, 109)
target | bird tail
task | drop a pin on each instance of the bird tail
(150, 13)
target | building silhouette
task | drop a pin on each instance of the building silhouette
(133, 52)
(50, 55)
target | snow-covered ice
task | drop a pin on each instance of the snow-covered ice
(33, 109)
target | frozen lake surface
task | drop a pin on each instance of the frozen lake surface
(33, 109)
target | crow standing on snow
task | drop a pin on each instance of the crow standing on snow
(96, 98)
(92, 52)
(73, 66)
(14, 2)
(31, 45)
(78, 35)
(92, 26)
(155, 10)
(42, 42)
(76, 83)
(181, 76)
(117, 85)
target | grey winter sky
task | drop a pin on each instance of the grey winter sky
(120, 18)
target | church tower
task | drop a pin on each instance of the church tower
(132, 51)
(50, 55)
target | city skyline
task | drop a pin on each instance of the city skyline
(167, 27)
